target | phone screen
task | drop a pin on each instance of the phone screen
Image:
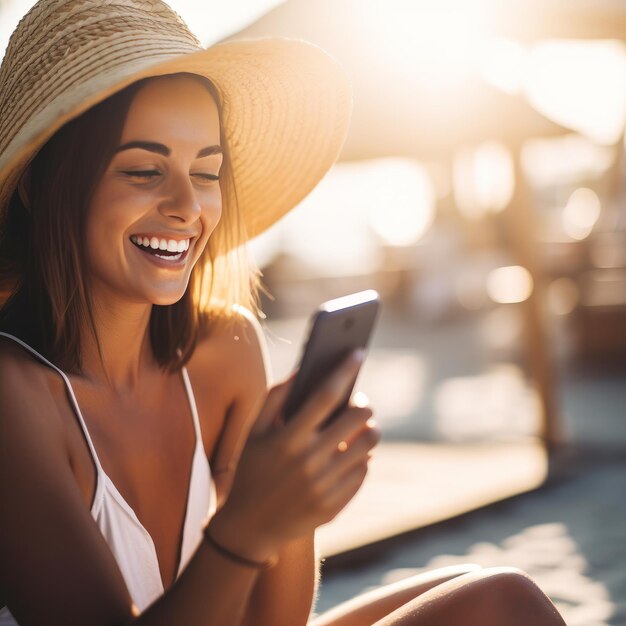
(338, 327)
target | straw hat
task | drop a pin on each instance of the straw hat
(286, 103)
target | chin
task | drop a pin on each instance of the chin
(166, 299)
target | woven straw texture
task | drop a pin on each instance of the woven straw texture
(286, 104)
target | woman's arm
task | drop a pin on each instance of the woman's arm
(284, 594)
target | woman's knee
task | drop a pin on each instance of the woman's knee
(508, 581)
(510, 590)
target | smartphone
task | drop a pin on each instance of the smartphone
(337, 328)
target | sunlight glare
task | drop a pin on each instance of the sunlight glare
(503, 64)
(580, 85)
(439, 38)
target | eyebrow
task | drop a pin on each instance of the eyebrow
(163, 150)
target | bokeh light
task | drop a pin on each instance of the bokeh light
(581, 213)
(403, 201)
(509, 285)
(484, 179)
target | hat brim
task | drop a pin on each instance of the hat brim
(286, 107)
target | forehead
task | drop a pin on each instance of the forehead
(172, 108)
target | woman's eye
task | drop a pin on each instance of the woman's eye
(206, 177)
(142, 174)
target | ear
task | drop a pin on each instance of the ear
(23, 188)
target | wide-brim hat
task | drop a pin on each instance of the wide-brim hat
(285, 103)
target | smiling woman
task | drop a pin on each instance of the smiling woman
(98, 156)
(146, 474)
(161, 186)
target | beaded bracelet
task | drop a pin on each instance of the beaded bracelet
(236, 558)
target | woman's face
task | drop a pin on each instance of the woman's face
(159, 199)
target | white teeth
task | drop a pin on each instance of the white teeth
(171, 245)
(175, 257)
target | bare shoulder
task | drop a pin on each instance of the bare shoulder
(27, 387)
(235, 352)
(29, 418)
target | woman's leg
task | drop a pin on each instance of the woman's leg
(372, 606)
(470, 596)
(490, 597)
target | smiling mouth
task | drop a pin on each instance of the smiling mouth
(171, 250)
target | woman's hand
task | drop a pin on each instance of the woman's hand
(292, 477)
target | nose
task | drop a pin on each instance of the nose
(181, 202)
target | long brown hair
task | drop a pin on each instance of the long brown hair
(43, 248)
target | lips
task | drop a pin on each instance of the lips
(164, 258)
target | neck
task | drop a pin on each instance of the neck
(122, 353)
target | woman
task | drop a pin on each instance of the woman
(133, 397)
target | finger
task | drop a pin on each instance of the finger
(345, 428)
(331, 393)
(344, 490)
(345, 458)
(270, 412)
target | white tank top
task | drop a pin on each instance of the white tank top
(129, 541)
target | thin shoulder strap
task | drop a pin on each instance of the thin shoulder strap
(192, 403)
(70, 391)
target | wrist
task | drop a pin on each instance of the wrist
(229, 538)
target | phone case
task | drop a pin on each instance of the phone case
(339, 327)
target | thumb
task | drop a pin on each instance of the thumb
(272, 408)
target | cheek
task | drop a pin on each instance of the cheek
(113, 210)
(212, 213)
(211, 216)
(110, 214)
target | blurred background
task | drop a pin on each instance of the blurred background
(481, 191)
